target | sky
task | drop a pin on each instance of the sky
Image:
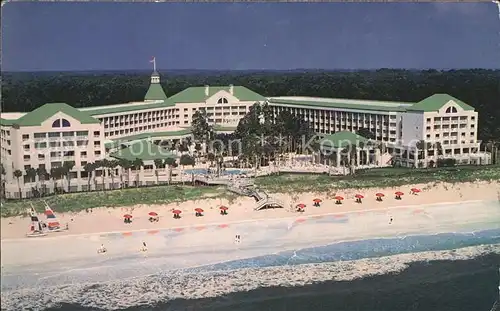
(65, 36)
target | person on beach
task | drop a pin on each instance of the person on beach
(390, 220)
(101, 249)
(144, 247)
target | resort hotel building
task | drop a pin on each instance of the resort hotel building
(56, 133)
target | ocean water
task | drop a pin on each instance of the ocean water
(432, 266)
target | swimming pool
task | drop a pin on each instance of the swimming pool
(204, 171)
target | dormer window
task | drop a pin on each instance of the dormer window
(222, 100)
(451, 110)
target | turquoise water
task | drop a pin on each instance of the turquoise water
(203, 171)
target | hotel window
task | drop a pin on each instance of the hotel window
(451, 110)
(26, 136)
(222, 100)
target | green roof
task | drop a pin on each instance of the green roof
(341, 140)
(145, 136)
(155, 92)
(124, 108)
(197, 94)
(341, 103)
(220, 128)
(436, 101)
(7, 122)
(143, 150)
(40, 114)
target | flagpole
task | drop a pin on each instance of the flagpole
(154, 64)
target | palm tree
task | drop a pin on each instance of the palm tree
(137, 164)
(126, 165)
(89, 168)
(56, 173)
(2, 177)
(67, 167)
(102, 164)
(30, 175)
(170, 162)
(112, 165)
(41, 172)
(18, 174)
(158, 164)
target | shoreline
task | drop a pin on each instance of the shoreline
(297, 216)
(241, 210)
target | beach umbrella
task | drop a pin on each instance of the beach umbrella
(379, 195)
(339, 198)
(301, 205)
(317, 201)
(415, 190)
(153, 214)
(127, 216)
(198, 210)
(223, 208)
(359, 196)
(176, 211)
(399, 193)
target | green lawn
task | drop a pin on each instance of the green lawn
(286, 183)
(382, 177)
(76, 202)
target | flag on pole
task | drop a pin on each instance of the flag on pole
(153, 60)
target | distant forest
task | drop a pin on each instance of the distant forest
(477, 87)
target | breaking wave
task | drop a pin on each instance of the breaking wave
(339, 262)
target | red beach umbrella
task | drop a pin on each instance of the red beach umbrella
(301, 205)
(415, 190)
(153, 214)
(359, 196)
(127, 216)
(339, 198)
(379, 195)
(198, 210)
(399, 193)
(223, 208)
(317, 201)
(176, 211)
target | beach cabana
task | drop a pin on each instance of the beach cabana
(415, 191)
(339, 199)
(398, 195)
(153, 217)
(177, 213)
(223, 210)
(359, 197)
(127, 218)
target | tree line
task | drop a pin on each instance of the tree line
(479, 88)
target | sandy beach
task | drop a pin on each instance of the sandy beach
(101, 220)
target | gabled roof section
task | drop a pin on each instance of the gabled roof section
(436, 101)
(155, 92)
(40, 114)
(197, 94)
(342, 139)
(340, 103)
(144, 150)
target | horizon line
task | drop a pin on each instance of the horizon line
(254, 70)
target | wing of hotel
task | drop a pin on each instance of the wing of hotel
(57, 132)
